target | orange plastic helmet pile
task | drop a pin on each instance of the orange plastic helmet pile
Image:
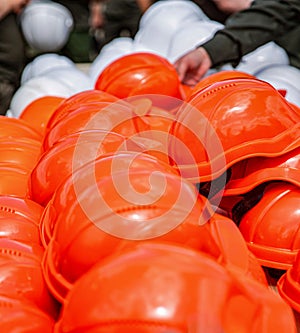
(145, 206)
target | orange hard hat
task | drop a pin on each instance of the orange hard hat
(130, 206)
(79, 99)
(17, 128)
(218, 77)
(158, 287)
(39, 111)
(18, 151)
(14, 250)
(23, 317)
(230, 121)
(249, 173)
(116, 117)
(154, 140)
(22, 278)
(14, 180)
(20, 229)
(66, 156)
(186, 91)
(20, 207)
(288, 285)
(271, 227)
(91, 173)
(140, 73)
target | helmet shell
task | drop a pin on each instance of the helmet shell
(78, 100)
(35, 88)
(92, 171)
(154, 294)
(110, 52)
(118, 117)
(283, 77)
(273, 240)
(43, 64)
(265, 56)
(100, 226)
(162, 21)
(39, 111)
(140, 73)
(230, 121)
(24, 316)
(249, 173)
(64, 157)
(288, 285)
(46, 25)
(191, 35)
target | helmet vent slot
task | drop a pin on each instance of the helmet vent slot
(7, 209)
(135, 208)
(11, 252)
(213, 91)
(6, 305)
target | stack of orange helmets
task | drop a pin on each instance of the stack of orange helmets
(26, 304)
(140, 222)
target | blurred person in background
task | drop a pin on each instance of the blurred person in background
(249, 25)
(80, 46)
(111, 19)
(12, 50)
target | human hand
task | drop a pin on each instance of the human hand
(232, 6)
(18, 5)
(193, 66)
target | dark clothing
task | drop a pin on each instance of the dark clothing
(79, 47)
(121, 19)
(264, 21)
(123, 16)
(12, 56)
(12, 59)
(210, 9)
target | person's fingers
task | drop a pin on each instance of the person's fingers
(181, 67)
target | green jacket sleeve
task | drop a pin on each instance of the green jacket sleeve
(264, 21)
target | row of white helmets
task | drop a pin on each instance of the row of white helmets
(168, 28)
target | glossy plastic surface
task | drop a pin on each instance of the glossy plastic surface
(23, 317)
(88, 175)
(254, 171)
(218, 77)
(18, 207)
(76, 100)
(17, 128)
(139, 73)
(163, 287)
(18, 151)
(271, 227)
(116, 214)
(288, 285)
(23, 279)
(230, 121)
(66, 156)
(46, 25)
(39, 111)
(14, 180)
(118, 117)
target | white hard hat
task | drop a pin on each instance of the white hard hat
(71, 77)
(191, 35)
(283, 77)
(266, 55)
(35, 88)
(46, 25)
(45, 63)
(162, 19)
(110, 52)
